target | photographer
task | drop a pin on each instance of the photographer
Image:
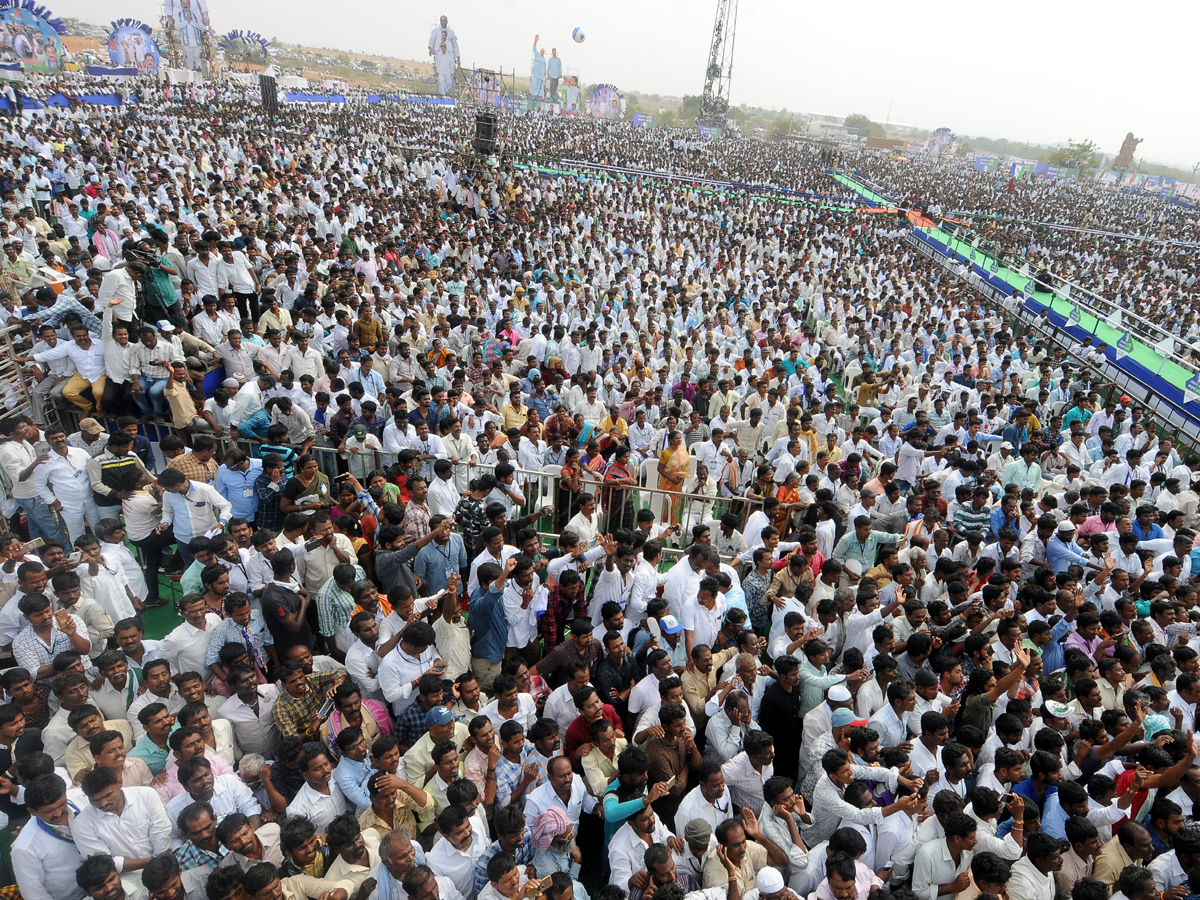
(161, 298)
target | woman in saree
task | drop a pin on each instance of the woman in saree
(570, 486)
(788, 495)
(673, 465)
(619, 481)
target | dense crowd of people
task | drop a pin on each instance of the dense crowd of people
(1134, 250)
(555, 537)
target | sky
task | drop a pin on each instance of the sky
(1070, 76)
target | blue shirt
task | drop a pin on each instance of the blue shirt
(1153, 533)
(999, 521)
(1025, 789)
(351, 777)
(1061, 555)
(489, 626)
(238, 489)
(372, 383)
(1054, 818)
(1053, 654)
(434, 563)
(544, 405)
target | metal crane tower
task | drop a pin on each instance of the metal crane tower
(714, 102)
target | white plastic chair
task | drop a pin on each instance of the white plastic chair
(648, 479)
(850, 374)
(548, 486)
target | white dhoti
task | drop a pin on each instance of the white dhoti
(78, 501)
(76, 515)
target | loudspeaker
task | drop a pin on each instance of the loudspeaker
(270, 98)
(486, 124)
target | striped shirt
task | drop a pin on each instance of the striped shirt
(966, 519)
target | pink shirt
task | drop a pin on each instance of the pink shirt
(172, 788)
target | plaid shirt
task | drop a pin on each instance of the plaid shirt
(194, 469)
(268, 515)
(292, 713)
(65, 305)
(335, 606)
(508, 776)
(416, 520)
(554, 664)
(524, 857)
(560, 611)
(189, 856)
(410, 727)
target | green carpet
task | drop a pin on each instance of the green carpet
(162, 619)
(1142, 354)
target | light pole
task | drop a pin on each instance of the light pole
(1191, 178)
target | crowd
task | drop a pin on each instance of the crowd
(557, 537)
(1137, 251)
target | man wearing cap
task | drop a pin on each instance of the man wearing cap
(248, 416)
(91, 437)
(1062, 551)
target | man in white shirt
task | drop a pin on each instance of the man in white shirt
(708, 801)
(460, 848)
(44, 855)
(126, 823)
(562, 788)
(321, 800)
(403, 667)
(186, 645)
(191, 508)
(628, 847)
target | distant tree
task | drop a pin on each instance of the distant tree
(864, 126)
(782, 125)
(691, 107)
(1076, 155)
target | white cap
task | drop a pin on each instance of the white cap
(769, 880)
(839, 693)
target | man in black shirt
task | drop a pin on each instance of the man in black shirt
(285, 605)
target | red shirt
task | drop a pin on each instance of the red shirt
(579, 734)
(1124, 783)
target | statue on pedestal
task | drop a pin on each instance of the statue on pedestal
(1124, 160)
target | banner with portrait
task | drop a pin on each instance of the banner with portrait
(191, 23)
(130, 46)
(29, 35)
(606, 102)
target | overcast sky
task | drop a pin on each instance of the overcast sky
(1068, 75)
